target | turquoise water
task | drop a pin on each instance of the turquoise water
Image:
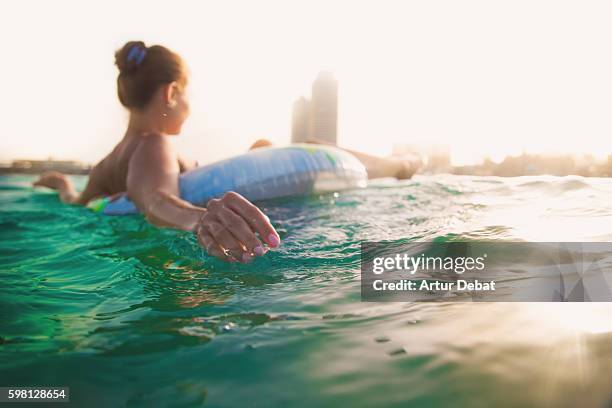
(130, 315)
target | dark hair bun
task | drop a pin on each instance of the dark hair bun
(143, 69)
(125, 57)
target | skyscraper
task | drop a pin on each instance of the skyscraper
(300, 123)
(317, 118)
(324, 108)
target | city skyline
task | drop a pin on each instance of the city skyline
(482, 87)
(317, 117)
(436, 160)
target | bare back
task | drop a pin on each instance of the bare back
(109, 176)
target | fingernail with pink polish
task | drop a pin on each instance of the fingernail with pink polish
(259, 250)
(273, 240)
(246, 257)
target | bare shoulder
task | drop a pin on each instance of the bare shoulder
(101, 167)
(154, 145)
(111, 161)
(156, 151)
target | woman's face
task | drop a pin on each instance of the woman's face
(177, 110)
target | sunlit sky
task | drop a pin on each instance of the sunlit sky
(483, 77)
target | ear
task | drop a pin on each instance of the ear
(170, 92)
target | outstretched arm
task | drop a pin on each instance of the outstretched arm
(152, 184)
(227, 228)
(398, 167)
(67, 192)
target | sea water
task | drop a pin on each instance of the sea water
(127, 314)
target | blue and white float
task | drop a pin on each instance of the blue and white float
(264, 173)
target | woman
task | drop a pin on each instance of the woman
(151, 85)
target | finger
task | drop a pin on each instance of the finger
(210, 245)
(214, 205)
(241, 230)
(224, 238)
(254, 217)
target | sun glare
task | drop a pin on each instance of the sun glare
(401, 79)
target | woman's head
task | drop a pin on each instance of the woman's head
(153, 80)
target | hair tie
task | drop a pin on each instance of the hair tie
(137, 53)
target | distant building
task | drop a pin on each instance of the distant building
(439, 158)
(536, 164)
(324, 108)
(40, 166)
(300, 123)
(317, 118)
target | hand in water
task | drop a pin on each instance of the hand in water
(228, 229)
(52, 179)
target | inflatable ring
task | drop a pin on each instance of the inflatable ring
(260, 174)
